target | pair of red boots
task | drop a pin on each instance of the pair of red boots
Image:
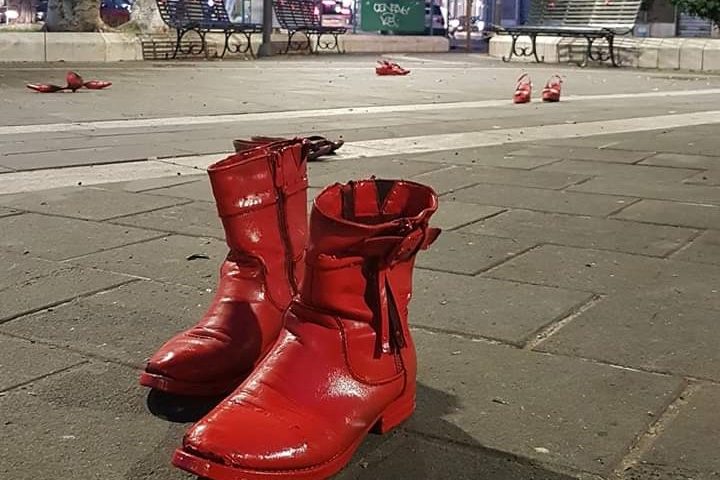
(523, 89)
(308, 330)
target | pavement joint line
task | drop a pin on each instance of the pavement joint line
(610, 216)
(686, 245)
(182, 201)
(643, 442)
(546, 331)
(164, 233)
(295, 114)
(69, 260)
(41, 377)
(649, 222)
(477, 220)
(464, 335)
(537, 284)
(146, 190)
(4, 320)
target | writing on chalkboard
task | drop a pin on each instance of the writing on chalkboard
(388, 13)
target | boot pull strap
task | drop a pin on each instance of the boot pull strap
(394, 249)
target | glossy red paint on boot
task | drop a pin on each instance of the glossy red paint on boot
(74, 81)
(261, 196)
(345, 363)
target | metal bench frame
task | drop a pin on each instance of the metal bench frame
(300, 17)
(203, 17)
(592, 20)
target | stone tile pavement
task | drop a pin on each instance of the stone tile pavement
(566, 320)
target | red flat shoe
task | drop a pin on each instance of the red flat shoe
(523, 89)
(44, 87)
(551, 92)
(97, 84)
(74, 81)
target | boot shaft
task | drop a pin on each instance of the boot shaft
(261, 197)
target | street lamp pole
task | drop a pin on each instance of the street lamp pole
(266, 46)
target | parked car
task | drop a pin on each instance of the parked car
(436, 21)
(7, 14)
(459, 24)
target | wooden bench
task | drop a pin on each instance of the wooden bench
(203, 17)
(590, 19)
(303, 17)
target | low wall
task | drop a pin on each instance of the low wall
(693, 54)
(112, 47)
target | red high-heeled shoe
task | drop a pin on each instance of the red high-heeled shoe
(551, 92)
(44, 87)
(386, 67)
(96, 84)
(523, 89)
(74, 81)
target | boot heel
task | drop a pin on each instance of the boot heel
(395, 413)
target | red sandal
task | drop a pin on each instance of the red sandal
(523, 89)
(386, 67)
(551, 92)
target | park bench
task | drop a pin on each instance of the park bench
(592, 20)
(303, 17)
(203, 17)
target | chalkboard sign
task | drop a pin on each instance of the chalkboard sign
(405, 16)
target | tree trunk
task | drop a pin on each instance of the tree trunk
(74, 16)
(145, 18)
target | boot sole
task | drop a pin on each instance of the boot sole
(179, 387)
(394, 415)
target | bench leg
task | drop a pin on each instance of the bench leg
(599, 56)
(524, 51)
(180, 34)
(298, 46)
(611, 46)
(327, 45)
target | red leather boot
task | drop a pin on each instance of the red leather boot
(261, 196)
(345, 363)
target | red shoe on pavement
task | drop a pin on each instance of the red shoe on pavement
(551, 92)
(44, 87)
(345, 363)
(523, 89)
(261, 196)
(74, 81)
(386, 67)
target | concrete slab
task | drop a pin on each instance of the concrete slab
(709, 177)
(325, 173)
(75, 47)
(515, 409)
(612, 272)
(34, 284)
(56, 238)
(689, 440)
(90, 422)
(682, 160)
(469, 254)
(658, 190)
(451, 215)
(488, 156)
(199, 191)
(196, 218)
(540, 199)
(165, 260)
(506, 311)
(454, 178)
(581, 231)
(22, 46)
(673, 213)
(6, 212)
(580, 153)
(704, 249)
(659, 337)
(85, 203)
(141, 185)
(109, 324)
(607, 169)
(38, 361)
(691, 54)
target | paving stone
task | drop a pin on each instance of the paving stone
(469, 254)
(606, 169)
(144, 184)
(709, 177)
(690, 440)
(610, 272)
(507, 311)
(165, 260)
(5, 170)
(646, 471)
(659, 190)
(5, 212)
(488, 156)
(454, 178)
(199, 191)
(682, 160)
(87, 423)
(128, 323)
(22, 361)
(33, 284)
(409, 455)
(581, 231)
(325, 173)
(557, 410)
(540, 199)
(197, 218)
(86, 203)
(673, 213)
(704, 249)
(56, 238)
(452, 215)
(656, 336)
(582, 153)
